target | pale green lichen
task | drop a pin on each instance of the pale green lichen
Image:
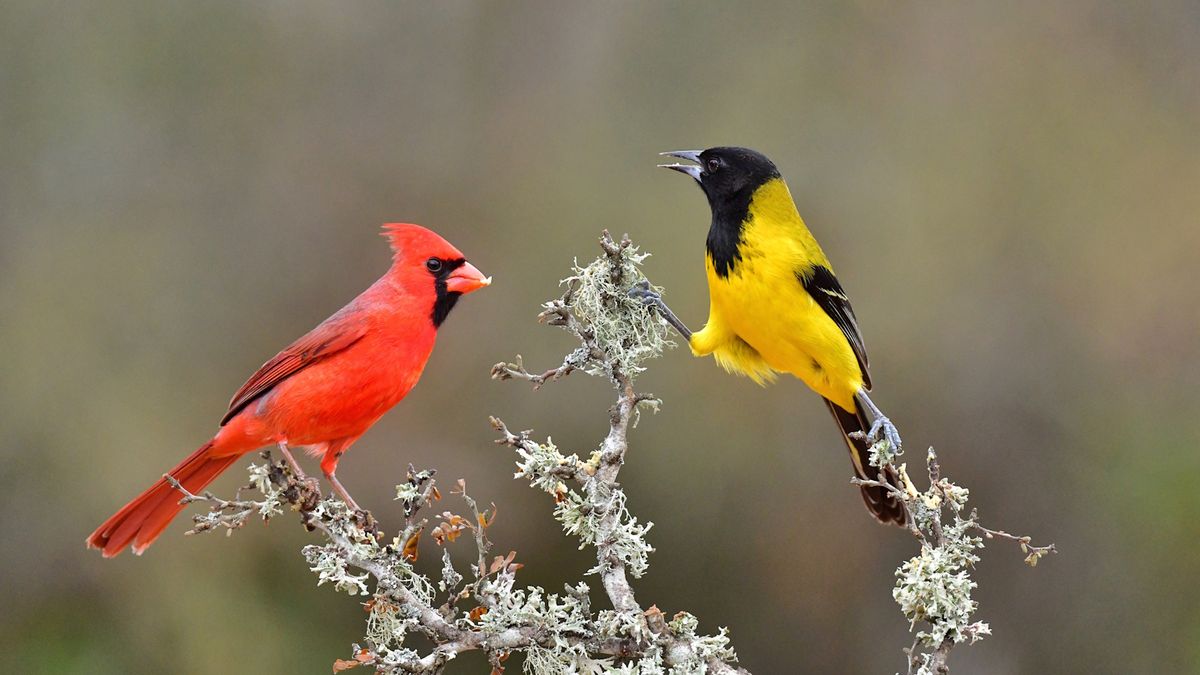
(622, 328)
(581, 515)
(388, 624)
(626, 539)
(882, 454)
(934, 587)
(406, 492)
(563, 621)
(450, 578)
(260, 479)
(328, 562)
(541, 465)
(704, 647)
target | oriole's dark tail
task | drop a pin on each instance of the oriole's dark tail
(141, 521)
(883, 505)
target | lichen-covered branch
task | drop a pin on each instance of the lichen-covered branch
(616, 336)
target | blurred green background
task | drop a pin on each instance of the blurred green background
(1009, 192)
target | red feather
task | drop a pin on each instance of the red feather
(325, 389)
(336, 333)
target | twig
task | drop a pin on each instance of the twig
(516, 370)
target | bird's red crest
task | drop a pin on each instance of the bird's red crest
(409, 240)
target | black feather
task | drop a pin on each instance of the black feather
(880, 502)
(444, 302)
(730, 188)
(828, 294)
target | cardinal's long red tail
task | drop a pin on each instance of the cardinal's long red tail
(141, 521)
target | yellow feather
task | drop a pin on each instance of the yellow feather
(761, 319)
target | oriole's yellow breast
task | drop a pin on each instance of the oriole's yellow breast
(762, 302)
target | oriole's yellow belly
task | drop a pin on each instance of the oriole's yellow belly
(770, 311)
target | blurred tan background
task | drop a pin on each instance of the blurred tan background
(1010, 195)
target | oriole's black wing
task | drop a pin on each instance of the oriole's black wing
(828, 294)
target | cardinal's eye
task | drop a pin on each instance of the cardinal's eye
(433, 265)
(713, 165)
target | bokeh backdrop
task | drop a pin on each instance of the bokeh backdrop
(1010, 192)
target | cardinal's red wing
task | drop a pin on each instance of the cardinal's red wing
(333, 335)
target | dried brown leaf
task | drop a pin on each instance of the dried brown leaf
(410, 546)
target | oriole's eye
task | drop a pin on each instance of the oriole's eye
(433, 265)
(713, 164)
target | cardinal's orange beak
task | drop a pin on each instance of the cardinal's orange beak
(466, 279)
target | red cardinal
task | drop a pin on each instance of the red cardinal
(325, 389)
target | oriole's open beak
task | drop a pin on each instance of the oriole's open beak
(689, 169)
(466, 279)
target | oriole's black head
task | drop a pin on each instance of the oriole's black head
(729, 177)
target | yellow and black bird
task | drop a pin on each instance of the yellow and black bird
(776, 306)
